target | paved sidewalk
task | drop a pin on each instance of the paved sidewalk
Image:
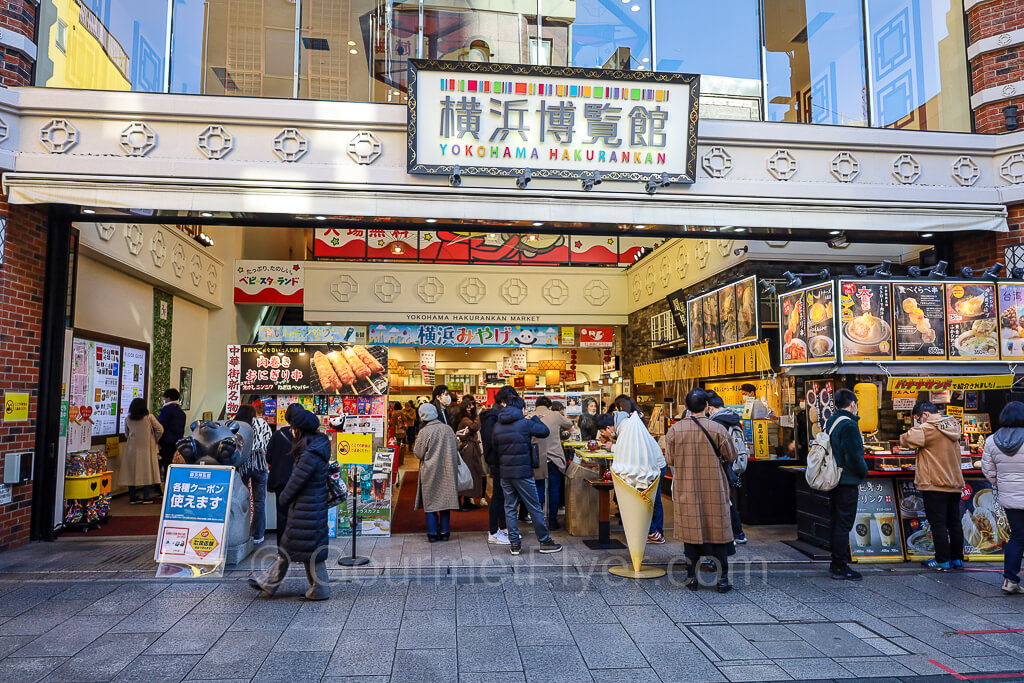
(540, 623)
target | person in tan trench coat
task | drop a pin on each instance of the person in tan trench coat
(700, 491)
(140, 459)
(438, 451)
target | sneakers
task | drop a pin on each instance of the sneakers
(657, 538)
(932, 564)
(499, 538)
(956, 565)
(844, 574)
(515, 548)
(741, 538)
(258, 541)
(549, 546)
(1011, 587)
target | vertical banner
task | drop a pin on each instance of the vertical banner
(160, 357)
(506, 366)
(193, 521)
(428, 358)
(519, 360)
(234, 379)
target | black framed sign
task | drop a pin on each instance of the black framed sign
(556, 122)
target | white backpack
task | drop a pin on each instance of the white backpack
(742, 453)
(822, 471)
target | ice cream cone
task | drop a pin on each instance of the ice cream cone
(636, 509)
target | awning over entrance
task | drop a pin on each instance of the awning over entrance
(190, 153)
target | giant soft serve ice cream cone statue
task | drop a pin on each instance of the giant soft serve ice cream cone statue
(636, 474)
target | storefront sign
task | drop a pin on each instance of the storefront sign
(323, 334)
(984, 521)
(353, 449)
(194, 518)
(919, 316)
(980, 383)
(268, 282)
(865, 322)
(558, 122)
(876, 534)
(568, 336)
(973, 321)
(15, 406)
(955, 411)
(761, 445)
(597, 337)
(725, 316)
(807, 325)
(307, 369)
(1011, 317)
(677, 306)
(510, 336)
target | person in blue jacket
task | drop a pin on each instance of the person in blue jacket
(512, 439)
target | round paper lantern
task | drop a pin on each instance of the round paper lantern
(552, 377)
(531, 380)
(551, 365)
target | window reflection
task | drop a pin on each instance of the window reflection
(815, 61)
(730, 70)
(102, 44)
(612, 34)
(458, 30)
(910, 43)
(357, 50)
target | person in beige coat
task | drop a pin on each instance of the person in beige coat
(140, 459)
(700, 491)
(436, 488)
(938, 477)
(551, 473)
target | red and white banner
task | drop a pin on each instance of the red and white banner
(269, 282)
(596, 337)
(234, 380)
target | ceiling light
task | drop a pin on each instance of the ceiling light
(740, 230)
(88, 210)
(833, 232)
(431, 220)
(205, 214)
(926, 234)
(328, 324)
(634, 8)
(321, 218)
(640, 227)
(353, 51)
(537, 224)
(352, 44)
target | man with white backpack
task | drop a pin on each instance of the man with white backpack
(731, 421)
(847, 446)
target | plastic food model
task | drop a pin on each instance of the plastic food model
(637, 461)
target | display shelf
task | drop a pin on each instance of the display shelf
(88, 486)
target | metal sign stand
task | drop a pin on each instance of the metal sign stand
(355, 560)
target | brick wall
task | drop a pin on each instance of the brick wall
(21, 310)
(22, 277)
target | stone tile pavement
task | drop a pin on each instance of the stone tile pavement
(541, 620)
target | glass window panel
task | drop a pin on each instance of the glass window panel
(458, 30)
(815, 61)
(611, 34)
(721, 41)
(357, 50)
(918, 64)
(556, 24)
(102, 44)
(234, 47)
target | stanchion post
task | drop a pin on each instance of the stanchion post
(355, 560)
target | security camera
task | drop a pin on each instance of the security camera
(589, 183)
(455, 179)
(523, 180)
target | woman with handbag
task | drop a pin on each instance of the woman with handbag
(437, 487)
(467, 429)
(699, 451)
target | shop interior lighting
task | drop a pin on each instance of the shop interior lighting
(88, 210)
(797, 279)
(884, 269)
(321, 218)
(640, 227)
(840, 241)
(768, 288)
(993, 271)
(589, 183)
(537, 224)
(205, 214)
(938, 270)
(204, 239)
(455, 179)
(967, 272)
(524, 180)
(653, 184)
(741, 251)
(926, 235)
(431, 220)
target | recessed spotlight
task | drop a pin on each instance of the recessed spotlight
(833, 232)
(328, 324)
(537, 224)
(353, 51)
(645, 60)
(352, 44)
(926, 234)
(431, 220)
(640, 227)
(634, 8)
(88, 210)
(205, 214)
(321, 218)
(740, 230)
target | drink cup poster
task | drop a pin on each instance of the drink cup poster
(876, 534)
(194, 518)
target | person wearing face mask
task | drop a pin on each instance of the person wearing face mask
(442, 399)
(848, 450)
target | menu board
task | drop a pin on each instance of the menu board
(984, 521)
(807, 325)
(723, 317)
(973, 321)
(133, 379)
(1011, 318)
(865, 323)
(310, 369)
(876, 534)
(374, 491)
(920, 321)
(820, 397)
(695, 323)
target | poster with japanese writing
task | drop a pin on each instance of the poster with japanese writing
(105, 386)
(747, 310)
(511, 336)
(984, 521)
(1011, 321)
(727, 315)
(559, 122)
(973, 321)
(793, 325)
(820, 313)
(133, 379)
(194, 517)
(865, 320)
(269, 282)
(371, 484)
(876, 534)
(311, 370)
(712, 336)
(919, 314)
(695, 325)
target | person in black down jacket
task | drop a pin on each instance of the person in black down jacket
(497, 534)
(305, 497)
(513, 442)
(279, 461)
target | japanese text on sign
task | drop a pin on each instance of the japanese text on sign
(562, 123)
(914, 384)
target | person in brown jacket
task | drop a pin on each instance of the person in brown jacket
(939, 479)
(696, 449)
